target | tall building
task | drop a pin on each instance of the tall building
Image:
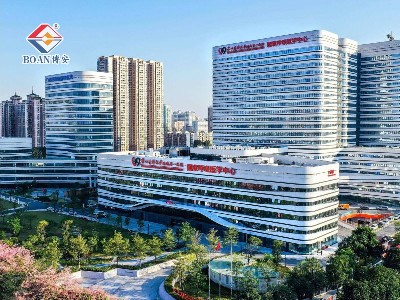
(296, 90)
(137, 101)
(23, 118)
(187, 117)
(379, 94)
(167, 118)
(210, 118)
(79, 114)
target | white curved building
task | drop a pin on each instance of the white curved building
(296, 90)
(259, 191)
(79, 114)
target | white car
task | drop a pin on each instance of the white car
(374, 226)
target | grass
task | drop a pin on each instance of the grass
(8, 204)
(31, 219)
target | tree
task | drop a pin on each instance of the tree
(248, 286)
(127, 222)
(396, 225)
(280, 292)
(231, 237)
(363, 243)
(186, 233)
(54, 198)
(396, 237)
(10, 283)
(93, 241)
(139, 247)
(66, 234)
(196, 276)
(155, 245)
(116, 245)
(182, 268)
(213, 239)
(118, 221)
(307, 278)
(253, 244)
(41, 230)
(51, 253)
(140, 225)
(15, 225)
(340, 268)
(378, 282)
(277, 252)
(78, 248)
(392, 259)
(30, 218)
(169, 242)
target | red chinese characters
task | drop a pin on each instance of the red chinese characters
(287, 41)
(210, 169)
(157, 164)
(331, 173)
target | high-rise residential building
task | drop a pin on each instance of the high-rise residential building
(210, 118)
(186, 117)
(79, 114)
(296, 90)
(200, 125)
(167, 118)
(23, 118)
(137, 101)
(379, 94)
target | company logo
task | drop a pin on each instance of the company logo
(45, 38)
(331, 173)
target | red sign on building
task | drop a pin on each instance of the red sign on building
(331, 173)
(287, 41)
(153, 163)
(210, 169)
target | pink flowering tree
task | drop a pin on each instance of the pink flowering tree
(19, 267)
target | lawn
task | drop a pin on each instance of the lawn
(31, 219)
(8, 204)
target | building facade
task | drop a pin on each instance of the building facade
(379, 121)
(187, 117)
(210, 118)
(167, 118)
(258, 191)
(295, 90)
(138, 102)
(79, 114)
(23, 118)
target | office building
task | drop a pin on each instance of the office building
(137, 101)
(187, 117)
(261, 192)
(379, 110)
(298, 90)
(79, 114)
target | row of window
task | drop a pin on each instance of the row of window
(220, 207)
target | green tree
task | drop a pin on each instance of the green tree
(392, 259)
(280, 292)
(196, 277)
(118, 221)
(169, 242)
(41, 230)
(155, 245)
(66, 233)
(54, 199)
(363, 243)
(186, 233)
(78, 248)
(307, 278)
(30, 218)
(139, 247)
(248, 286)
(377, 282)
(93, 242)
(15, 225)
(253, 244)
(213, 239)
(396, 225)
(182, 268)
(51, 253)
(340, 268)
(127, 222)
(396, 237)
(277, 251)
(116, 245)
(140, 225)
(231, 237)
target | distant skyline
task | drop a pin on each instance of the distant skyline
(180, 34)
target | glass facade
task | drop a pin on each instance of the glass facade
(79, 114)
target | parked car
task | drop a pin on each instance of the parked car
(383, 207)
(50, 209)
(374, 226)
(362, 207)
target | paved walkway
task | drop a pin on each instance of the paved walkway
(129, 288)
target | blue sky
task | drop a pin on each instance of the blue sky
(181, 34)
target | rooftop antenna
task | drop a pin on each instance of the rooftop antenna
(390, 36)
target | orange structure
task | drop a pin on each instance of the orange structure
(364, 216)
